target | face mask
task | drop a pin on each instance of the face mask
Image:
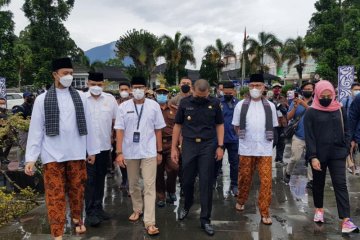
(307, 94)
(161, 98)
(356, 92)
(325, 102)
(228, 97)
(66, 80)
(185, 88)
(255, 93)
(95, 90)
(138, 93)
(276, 91)
(124, 94)
(221, 93)
(2, 106)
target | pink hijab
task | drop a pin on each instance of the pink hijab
(320, 87)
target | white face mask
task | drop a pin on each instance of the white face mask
(124, 94)
(255, 93)
(3, 106)
(95, 90)
(66, 80)
(138, 93)
(356, 92)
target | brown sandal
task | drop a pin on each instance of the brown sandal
(152, 230)
(135, 216)
(266, 220)
(240, 207)
(79, 227)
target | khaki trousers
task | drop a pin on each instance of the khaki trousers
(298, 147)
(147, 167)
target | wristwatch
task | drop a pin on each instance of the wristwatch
(221, 146)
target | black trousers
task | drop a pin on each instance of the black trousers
(279, 143)
(337, 168)
(198, 158)
(233, 157)
(94, 190)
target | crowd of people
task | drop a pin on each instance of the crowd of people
(158, 139)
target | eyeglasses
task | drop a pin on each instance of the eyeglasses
(257, 86)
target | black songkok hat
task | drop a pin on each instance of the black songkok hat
(96, 76)
(257, 78)
(228, 84)
(61, 63)
(138, 81)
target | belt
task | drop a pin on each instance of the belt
(199, 140)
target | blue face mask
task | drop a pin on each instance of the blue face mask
(161, 98)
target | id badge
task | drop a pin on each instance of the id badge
(136, 137)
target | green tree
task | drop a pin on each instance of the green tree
(334, 31)
(177, 52)
(115, 62)
(142, 47)
(7, 41)
(23, 58)
(208, 69)
(267, 44)
(217, 53)
(296, 53)
(48, 37)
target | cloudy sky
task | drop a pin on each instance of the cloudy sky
(96, 22)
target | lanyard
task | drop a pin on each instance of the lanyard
(139, 115)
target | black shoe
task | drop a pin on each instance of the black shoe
(161, 203)
(208, 228)
(171, 198)
(102, 215)
(309, 185)
(183, 213)
(287, 178)
(92, 221)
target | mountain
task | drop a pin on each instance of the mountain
(103, 53)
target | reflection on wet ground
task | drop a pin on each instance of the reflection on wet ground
(291, 210)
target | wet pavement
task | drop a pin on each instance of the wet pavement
(291, 210)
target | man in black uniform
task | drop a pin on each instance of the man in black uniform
(200, 120)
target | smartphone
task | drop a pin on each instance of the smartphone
(296, 95)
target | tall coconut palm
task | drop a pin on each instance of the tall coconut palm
(141, 46)
(218, 53)
(177, 52)
(266, 45)
(296, 52)
(4, 3)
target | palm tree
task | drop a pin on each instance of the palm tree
(142, 47)
(4, 3)
(267, 44)
(295, 51)
(177, 52)
(218, 52)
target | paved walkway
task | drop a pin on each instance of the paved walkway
(291, 210)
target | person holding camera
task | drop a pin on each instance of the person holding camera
(282, 106)
(296, 112)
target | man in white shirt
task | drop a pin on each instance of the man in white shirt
(254, 120)
(61, 133)
(139, 147)
(103, 108)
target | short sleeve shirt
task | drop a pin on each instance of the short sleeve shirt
(151, 119)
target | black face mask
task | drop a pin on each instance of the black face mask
(307, 94)
(200, 100)
(325, 102)
(185, 88)
(228, 97)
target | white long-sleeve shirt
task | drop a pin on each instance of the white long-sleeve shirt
(66, 146)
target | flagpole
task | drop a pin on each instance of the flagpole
(243, 61)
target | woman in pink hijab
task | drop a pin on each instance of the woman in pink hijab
(327, 145)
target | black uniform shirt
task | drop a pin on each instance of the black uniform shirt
(199, 120)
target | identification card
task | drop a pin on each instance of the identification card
(136, 137)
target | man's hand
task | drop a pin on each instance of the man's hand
(159, 158)
(29, 168)
(91, 159)
(175, 155)
(316, 164)
(120, 160)
(219, 154)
